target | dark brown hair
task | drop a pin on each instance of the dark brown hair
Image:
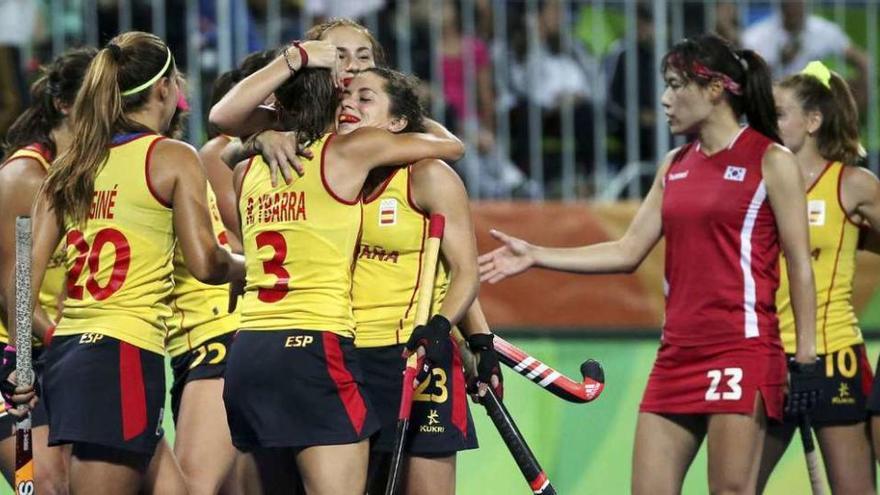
(55, 87)
(402, 91)
(745, 68)
(838, 136)
(312, 93)
(99, 111)
(318, 31)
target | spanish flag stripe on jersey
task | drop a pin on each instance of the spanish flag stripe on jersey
(833, 243)
(389, 264)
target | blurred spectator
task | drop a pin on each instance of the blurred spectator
(727, 21)
(342, 8)
(17, 19)
(455, 48)
(552, 77)
(645, 85)
(792, 37)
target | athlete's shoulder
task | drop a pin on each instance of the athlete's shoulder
(22, 169)
(432, 180)
(860, 184)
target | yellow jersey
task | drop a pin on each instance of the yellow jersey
(833, 242)
(53, 280)
(200, 310)
(119, 262)
(388, 265)
(299, 242)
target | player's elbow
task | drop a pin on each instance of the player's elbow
(221, 119)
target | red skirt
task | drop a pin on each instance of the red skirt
(716, 379)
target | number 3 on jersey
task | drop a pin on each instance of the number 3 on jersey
(732, 377)
(274, 266)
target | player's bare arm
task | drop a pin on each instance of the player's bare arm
(621, 256)
(785, 186)
(179, 179)
(437, 189)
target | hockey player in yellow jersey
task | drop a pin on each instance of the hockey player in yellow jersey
(397, 204)
(299, 241)
(201, 332)
(818, 121)
(37, 136)
(118, 196)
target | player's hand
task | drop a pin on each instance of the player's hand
(515, 256)
(322, 54)
(236, 290)
(488, 368)
(282, 152)
(23, 400)
(805, 387)
(431, 340)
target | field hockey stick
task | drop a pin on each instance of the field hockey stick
(816, 482)
(550, 379)
(525, 460)
(24, 372)
(413, 363)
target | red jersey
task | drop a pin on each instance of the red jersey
(722, 248)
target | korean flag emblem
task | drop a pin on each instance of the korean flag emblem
(733, 173)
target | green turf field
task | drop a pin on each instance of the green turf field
(584, 448)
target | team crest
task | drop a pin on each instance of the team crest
(734, 173)
(816, 211)
(387, 212)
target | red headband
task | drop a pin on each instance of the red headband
(704, 72)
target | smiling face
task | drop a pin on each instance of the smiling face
(794, 123)
(365, 103)
(686, 103)
(354, 49)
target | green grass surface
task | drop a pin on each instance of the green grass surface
(584, 448)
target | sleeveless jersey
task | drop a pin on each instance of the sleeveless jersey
(200, 310)
(53, 280)
(119, 262)
(389, 263)
(833, 241)
(299, 243)
(722, 249)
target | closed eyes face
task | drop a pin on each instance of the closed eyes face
(353, 48)
(364, 104)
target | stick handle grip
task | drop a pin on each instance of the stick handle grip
(516, 444)
(23, 302)
(817, 485)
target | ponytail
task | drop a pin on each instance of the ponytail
(757, 99)
(99, 113)
(57, 85)
(837, 138)
(744, 74)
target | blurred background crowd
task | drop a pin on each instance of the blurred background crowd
(555, 98)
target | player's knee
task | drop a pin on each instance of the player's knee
(731, 485)
(47, 485)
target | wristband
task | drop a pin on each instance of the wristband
(9, 348)
(287, 60)
(303, 55)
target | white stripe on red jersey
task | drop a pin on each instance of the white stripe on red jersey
(722, 246)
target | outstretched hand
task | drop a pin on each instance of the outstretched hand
(514, 257)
